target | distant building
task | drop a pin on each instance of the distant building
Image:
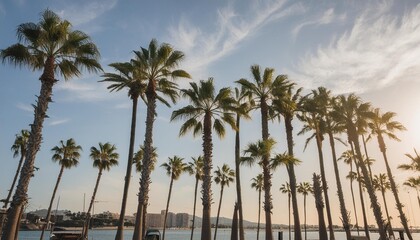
(154, 220)
(182, 220)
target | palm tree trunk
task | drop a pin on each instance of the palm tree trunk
(234, 233)
(47, 219)
(206, 187)
(343, 210)
(20, 197)
(195, 204)
(259, 214)
(20, 217)
(324, 183)
(218, 211)
(304, 213)
(167, 208)
(418, 197)
(238, 179)
(288, 206)
(292, 178)
(362, 202)
(120, 231)
(367, 157)
(268, 205)
(391, 232)
(352, 196)
(394, 188)
(92, 201)
(147, 160)
(6, 202)
(319, 203)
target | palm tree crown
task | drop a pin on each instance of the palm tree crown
(105, 157)
(20, 144)
(415, 162)
(224, 175)
(67, 153)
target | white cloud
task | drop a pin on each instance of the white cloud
(327, 17)
(77, 90)
(380, 49)
(203, 46)
(58, 122)
(24, 107)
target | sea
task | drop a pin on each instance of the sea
(184, 234)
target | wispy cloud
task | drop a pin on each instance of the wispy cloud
(85, 12)
(379, 50)
(204, 46)
(327, 17)
(25, 107)
(83, 90)
(58, 122)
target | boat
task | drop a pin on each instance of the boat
(152, 234)
(60, 233)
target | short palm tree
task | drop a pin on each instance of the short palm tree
(223, 176)
(285, 188)
(382, 184)
(53, 47)
(174, 168)
(158, 65)
(415, 162)
(67, 155)
(383, 125)
(207, 111)
(103, 158)
(304, 188)
(19, 147)
(196, 167)
(414, 183)
(261, 90)
(258, 183)
(127, 77)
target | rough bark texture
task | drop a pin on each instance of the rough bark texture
(390, 231)
(20, 197)
(343, 210)
(259, 214)
(234, 233)
(319, 203)
(92, 201)
(292, 178)
(238, 179)
(394, 188)
(367, 156)
(167, 208)
(47, 219)
(147, 160)
(120, 231)
(266, 173)
(207, 167)
(362, 203)
(218, 211)
(195, 204)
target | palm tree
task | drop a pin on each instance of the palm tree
(103, 158)
(52, 47)
(384, 125)
(207, 111)
(348, 111)
(261, 91)
(174, 168)
(287, 102)
(156, 64)
(304, 188)
(314, 121)
(258, 183)
(223, 176)
(196, 167)
(382, 184)
(319, 203)
(19, 147)
(414, 183)
(285, 188)
(415, 162)
(243, 105)
(67, 155)
(129, 77)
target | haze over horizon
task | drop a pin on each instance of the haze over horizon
(371, 48)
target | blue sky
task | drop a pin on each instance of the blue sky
(371, 48)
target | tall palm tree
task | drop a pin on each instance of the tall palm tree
(319, 203)
(314, 121)
(382, 184)
(67, 155)
(127, 77)
(223, 176)
(285, 188)
(103, 158)
(261, 90)
(207, 111)
(415, 162)
(287, 102)
(304, 188)
(53, 47)
(196, 167)
(19, 147)
(348, 110)
(156, 64)
(243, 105)
(414, 183)
(384, 125)
(174, 168)
(258, 183)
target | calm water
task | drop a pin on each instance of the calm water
(222, 234)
